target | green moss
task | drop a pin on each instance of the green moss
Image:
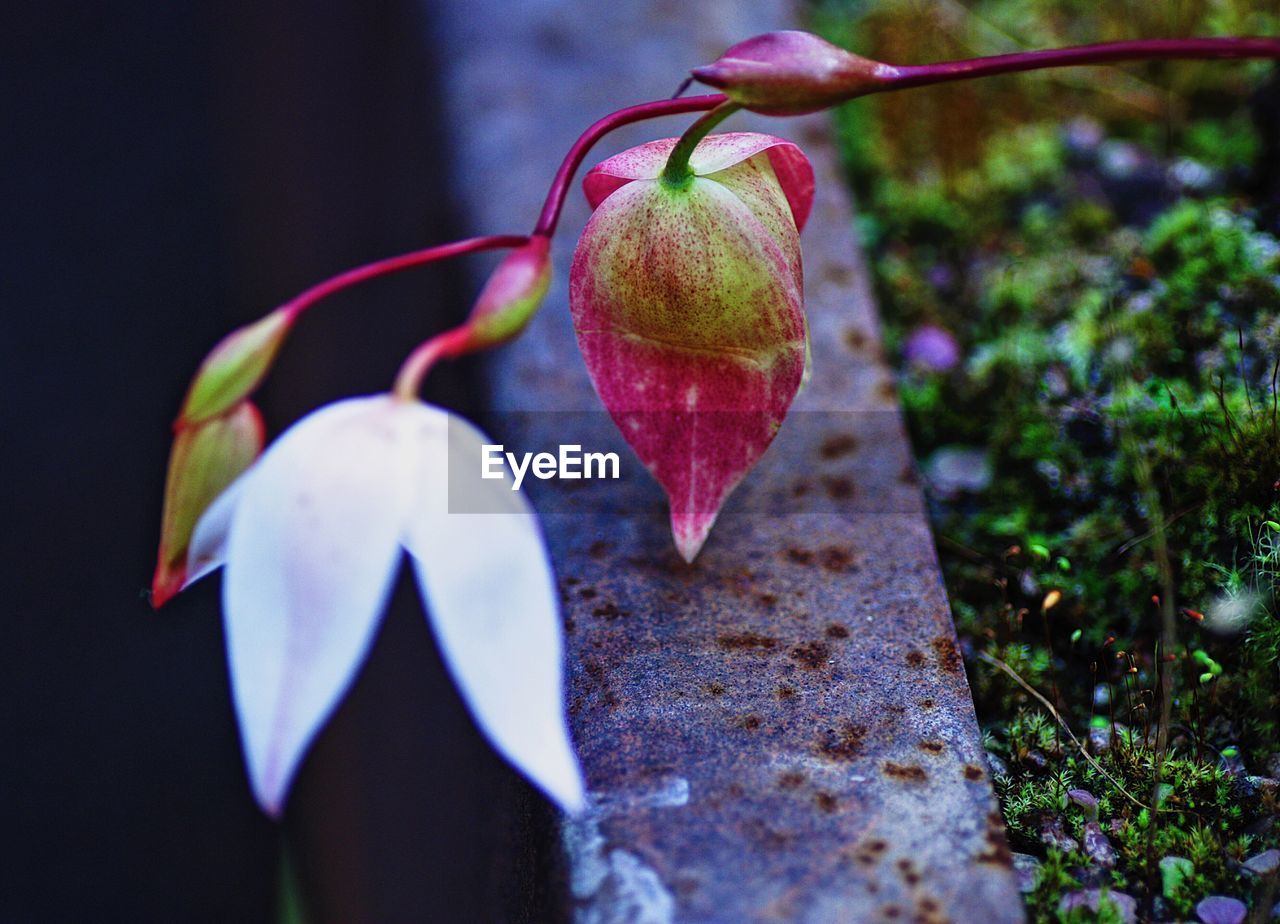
(1117, 308)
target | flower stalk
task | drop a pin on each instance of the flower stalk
(677, 172)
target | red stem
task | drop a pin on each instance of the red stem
(919, 75)
(395, 264)
(550, 216)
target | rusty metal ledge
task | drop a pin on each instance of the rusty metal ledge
(783, 731)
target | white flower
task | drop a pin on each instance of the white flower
(311, 536)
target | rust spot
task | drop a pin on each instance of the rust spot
(927, 704)
(608, 610)
(843, 743)
(766, 835)
(747, 641)
(834, 558)
(767, 599)
(877, 846)
(799, 556)
(826, 802)
(837, 445)
(997, 852)
(972, 772)
(949, 658)
(569, 625)
(907, 773)
(834, 273)
(929, 905)
(599, 548)
(908, 871)
(835, 630)
(800, 489)
(812, 655)
(714, 688)
(838, 488)
(887, 390)
(790, 780)
(915, 658)
(749, 722)
(892, 912)
(932, 747)
(686, 886)
(855, 339)
(588, 593)
(908, 475)
(786, 691)
(572, 581)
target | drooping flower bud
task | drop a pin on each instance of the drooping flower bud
(235, 367)
(687, 300)
(206, 457)
(791, 73)
(512, 295)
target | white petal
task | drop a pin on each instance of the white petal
(312, 550)
(207, 551)
(489, 591)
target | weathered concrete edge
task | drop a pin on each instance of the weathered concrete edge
(621, 855)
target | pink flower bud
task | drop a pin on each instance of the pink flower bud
(206, 457)
(235, 367)
(791, 73)
(687, 300)
(511, 296)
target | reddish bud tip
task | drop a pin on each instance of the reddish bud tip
(206, 457)
(791, 73)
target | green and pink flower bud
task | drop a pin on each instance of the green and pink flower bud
(512, 295)
(206, 457)
(687, 300)
(235, 367)
(792, 73)
(506, 304)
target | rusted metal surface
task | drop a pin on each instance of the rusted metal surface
(783, 730)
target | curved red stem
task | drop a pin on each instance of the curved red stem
(919, 75)
(359, 274)
(551, 209)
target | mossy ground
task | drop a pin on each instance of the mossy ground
(1100, 252)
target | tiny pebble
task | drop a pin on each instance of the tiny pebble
(1086, 800)
(1096, 846)
(1025, 868)
(933, 348)
(1218, 909)
(1092, 898)
(1053, 835)
(1264, 864)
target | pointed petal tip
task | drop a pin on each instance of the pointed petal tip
(574, 807)
(167, 583)
(272, 805)
(690, 531)
(710, 74)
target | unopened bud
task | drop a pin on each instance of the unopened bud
(206, 457)
(512, 295)
(235, 367)
(791, 73)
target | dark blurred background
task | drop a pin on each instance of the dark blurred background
(169, 171)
